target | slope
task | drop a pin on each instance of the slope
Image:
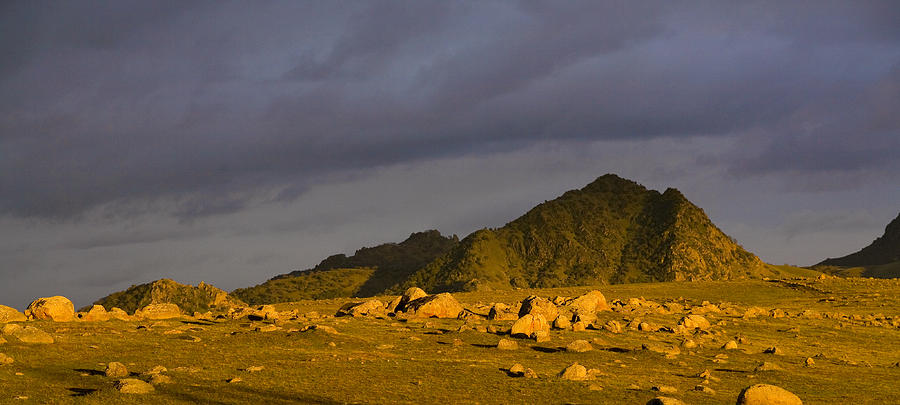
(879, 259)
(611, 231)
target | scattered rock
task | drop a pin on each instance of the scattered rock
(357, 309)
(57, 309)
(694, 322)
(234, 380)
(506, 344)
(96, 314)
(705, 389)
(254, 369)
(538, 306)
(116, 370)
(613, 326)
(156, 370)
(9, 314)
(5, 359)
(774, 350)
(528, 324)
(579, 346)
(809, 362)
(731, 345)
(540, 336)
(593, 301)
(28, 334)
(434, 306)
(766, 366)
(665, 389)
(765, 394)
(575, 372)
(321, 328)
(158, 379)
(665, 401)
(517, 370)
(133, 386)
(502, 312)
(688, 344)
(529, 373)
(159, 311)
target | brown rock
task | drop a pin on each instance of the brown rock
(5, 360)
(434, 306)
(159, 311)
(766, 366)
(119, 313)
(579, 346)
(694, 322)
(357, 309)
(116, 370)
(506, 344)
(528, 324)
(765, 394)
(57, 309)
(538, 305)
(157, 379)
(96, 314)
(517, 370)
(731, 345)
(665, 401)
(9, 314)
(133, 386)
(593, 301)
(575, 372)
(562, 322)
(613, 326)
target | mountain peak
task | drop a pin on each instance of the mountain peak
(884, 250)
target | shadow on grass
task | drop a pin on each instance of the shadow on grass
(89, 371)
(80, 392)
(200, 322)
(483, 345)
(617, 349)
(547, 349)
(729, 370)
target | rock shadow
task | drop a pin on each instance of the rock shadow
(80, 392)
(89, 371)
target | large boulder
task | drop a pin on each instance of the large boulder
(529, 324)
(538, 305)
(694, 322)
(434, 306)
(575, 372)
(133, 386)
(9, 314)
(765, 394)
(593, 301)
(159, 311)
(27, 334)
(57, 309)
(355, 309)
(96, 314)
(411, 294)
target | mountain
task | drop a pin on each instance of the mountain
(611, 231)
(880, 259)
(189, 298)
(369, 271)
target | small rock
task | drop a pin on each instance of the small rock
(133, 386)
(689, 344)
(766, 366)
(156, 370)
(665, 389)
(158, 379)
(575, 372)
(731, 345)
(694, 322)
(159, 311)
(765, 394)
(254, 369)
(540, 336)
(517, 370)
(774, 350)
(529, 373)
(664, 401)
(506, 344)
(704, 389)
(234, 380)
(116, 370)
(809, 362)
(613, 326)
(5, 360)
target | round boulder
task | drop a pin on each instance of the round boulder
(116, 370)
(9, 314)
(593, 301)
(57, 309)
(765, 394)
(133, 386)
(538, 305)
(528, 324)
(434, 306)
(694, 322)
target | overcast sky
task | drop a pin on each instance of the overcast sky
(233, 141)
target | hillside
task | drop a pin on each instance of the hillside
(880, 259)
(189, 298)
(611, 231)
(367, 272)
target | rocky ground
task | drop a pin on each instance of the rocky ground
(820, 340)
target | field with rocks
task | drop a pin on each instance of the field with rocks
(822, 341)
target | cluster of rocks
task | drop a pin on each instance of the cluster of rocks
(414, 303)
(61, 309)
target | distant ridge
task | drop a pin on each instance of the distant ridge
(371, 270)
(879, 259)
(611, 231)
(189, 298)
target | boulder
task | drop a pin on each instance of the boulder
(665, 401)
(765, 394)
(356, 309)
(9, 314)
(593, 301)
(562, 322)
(6, 360)
(731, 345)
(57, 309)
(575, 372)
(392, 306)
(528, 324)
(506, 344)
(579, 346)
(119, 313)
(538, 305)
(434, 306)
(28, 334)
(157, 379)
(133, 386)
(159, 311)
(115, 370)
(96, 314)
(517, 370)
(502, 312)
(411, 294)
(694, 322)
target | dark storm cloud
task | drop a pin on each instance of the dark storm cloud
(203, 108)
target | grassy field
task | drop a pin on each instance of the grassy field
(851, 332)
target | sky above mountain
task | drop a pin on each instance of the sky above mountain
(232, 141)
